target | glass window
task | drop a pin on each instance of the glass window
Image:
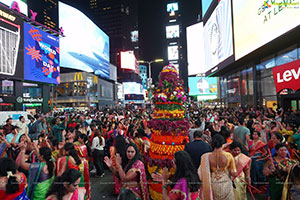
(7, 88)
(32, 90)
(268, 86)
(299, 53)
(286, 56)
(267, 63)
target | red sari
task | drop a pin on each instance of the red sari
(83, 154)
(257, 148)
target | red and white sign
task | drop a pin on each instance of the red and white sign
(287, 76)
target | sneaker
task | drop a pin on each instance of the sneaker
(93, 171)
(102, 175)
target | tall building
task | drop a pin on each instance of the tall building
(47, 12)
(118, 19)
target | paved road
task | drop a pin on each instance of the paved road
(103, 188)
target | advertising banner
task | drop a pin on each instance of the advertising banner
(218, 41)
(41, 56)
(19, 5)
(287, 76)
(85, 46)
(258, 22)
(11, 45)
(203, 86)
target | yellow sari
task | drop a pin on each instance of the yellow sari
(217, 183)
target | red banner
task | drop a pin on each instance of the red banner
(287, 76)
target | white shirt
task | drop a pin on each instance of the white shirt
(96, 144)
(22, 127)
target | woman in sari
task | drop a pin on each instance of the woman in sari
(276, 169)
(131, 172)
(291, 189)
(66, 187)
(242, 163)
(257, 152)
(83, 152)
(13, 183)
(216, 171)
(41, 174)
(185, 183)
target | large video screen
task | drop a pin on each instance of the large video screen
(41, 57)
(172, 31)
(132, 88)
(258, 22)
(85, 46)
(17, 4)
(203, 86)
(128, 60)
(195, 49)
(218, 42)
(173, 53)
(172, 7)
(11, 45)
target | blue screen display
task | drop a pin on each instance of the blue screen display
(85, 46)
(205, 6)
(203, 86)
(41, 56)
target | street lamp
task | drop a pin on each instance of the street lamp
(149, 67)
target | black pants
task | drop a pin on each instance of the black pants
(98, 161)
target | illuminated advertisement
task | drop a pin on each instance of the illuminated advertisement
(132, 88)
(172, 31)
(195, 49)
(41, 56)
(128, 61)
(19, 5)
(218, 43)
(172, 7)
(205, 6)
(173, 53)
(271, 18)
(85, 46)
(203, 86)
(11, 45)
(134, 36)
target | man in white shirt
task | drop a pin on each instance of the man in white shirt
(22, 126)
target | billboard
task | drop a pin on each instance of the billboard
(195, 49)
(203, 86)
(134, 36)
(132, 88)
(172, 7)
(11, 45)
(128, 61)
(19, 5)
(218, 41)
(81, 49)
(205, 6)
(41, 56)
(173, 53)
(172, 31)
(271, 18)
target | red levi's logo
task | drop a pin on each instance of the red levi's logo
(287, 76)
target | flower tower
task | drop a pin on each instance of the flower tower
(169, 126)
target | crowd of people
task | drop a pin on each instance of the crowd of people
(230, 151)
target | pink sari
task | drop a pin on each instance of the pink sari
(181, 191)
(139, 185)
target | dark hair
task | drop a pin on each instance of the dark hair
(46, 153)
(217, 141)
(198, 123)
(69, 147)
(198, 134)
(241, 120)
(86, 142)
(8, 119)
(280, 145)
(186, 169)
(57, 188)
(21, 117)
(128, 164)
(234, 145)
(8, 165)
(258, 133)
(126, 195)
(278, 136)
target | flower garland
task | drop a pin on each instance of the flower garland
(165, 149)
(154, 194)
(158, 160)
(166, 127)
(168, 115)
(153, 169)
(169, 140)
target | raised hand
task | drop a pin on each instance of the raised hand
(157, 177)
(108, 161)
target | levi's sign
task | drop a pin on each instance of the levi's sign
(287, 76)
